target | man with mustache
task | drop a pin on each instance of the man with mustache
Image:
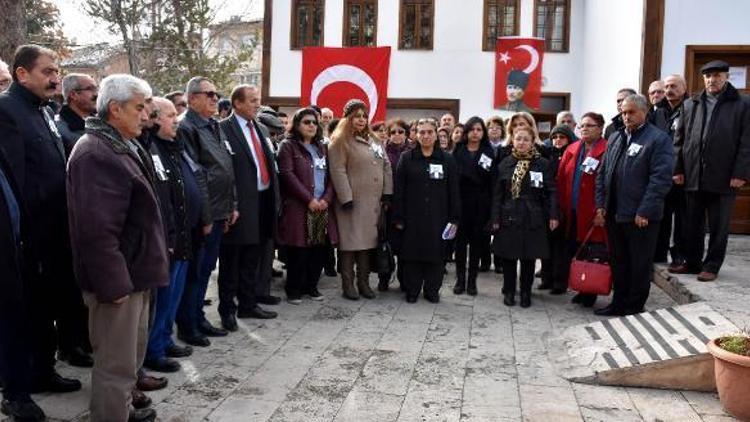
(713, 162)
(79, 93)
(666, 117)
(36, 155)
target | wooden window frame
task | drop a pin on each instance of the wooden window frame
(486, 26)
(401, 25)
(345, 36)
(566, 40)
(295, 25)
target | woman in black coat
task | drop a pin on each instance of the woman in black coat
(477, 167)
(426, 200)
(523, 206)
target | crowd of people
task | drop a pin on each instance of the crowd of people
(116, 205)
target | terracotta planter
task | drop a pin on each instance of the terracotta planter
(732, 380)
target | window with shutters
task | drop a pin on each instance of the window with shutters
(307, 23)
(552, 22)
(416, 25)
(500, 20)
(360, 23)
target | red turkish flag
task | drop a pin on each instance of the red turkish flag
(518, 73)
(333, 76)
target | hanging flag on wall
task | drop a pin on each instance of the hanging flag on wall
(518, 73)
(333, 76)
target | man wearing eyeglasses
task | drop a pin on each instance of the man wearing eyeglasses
(79, 92)
(208, 147)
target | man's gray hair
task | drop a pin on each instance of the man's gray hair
(563, 114)
(630, 91)
(194, 84)
(119, 88)
(71, 82)
(639, 100)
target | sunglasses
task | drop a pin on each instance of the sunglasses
(209, 94)
(309, 122)
(398, 132)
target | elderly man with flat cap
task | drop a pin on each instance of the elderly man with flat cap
(713, 162)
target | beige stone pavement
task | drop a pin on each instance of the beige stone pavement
(464, 359)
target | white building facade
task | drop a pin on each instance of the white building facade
(594, 47)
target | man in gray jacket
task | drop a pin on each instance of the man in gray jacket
(208, 146)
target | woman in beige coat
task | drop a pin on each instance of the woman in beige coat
(361, 175)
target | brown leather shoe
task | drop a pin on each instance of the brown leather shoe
(151, 383)
(681, 269)
(140, 400)
(706, 276)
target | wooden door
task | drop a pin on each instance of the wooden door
(737, 56)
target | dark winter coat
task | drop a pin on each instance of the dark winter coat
(183, 195)
(246, 231)
(615, 125)
(35, 151)
(11, 284)
(71, 127)
(116, 227)
(208, 146)
(523, 222)
(644, 178)
(297, 180)
(394, 152)
(723, 153)
(425, 205)
(667, 118)
(475, 183)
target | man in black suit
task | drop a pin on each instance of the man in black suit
(14, 340)
(247, 241)
(34, 149)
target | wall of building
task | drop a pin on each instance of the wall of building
(686, 22)
(604, 54)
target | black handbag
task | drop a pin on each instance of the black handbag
(385, 263)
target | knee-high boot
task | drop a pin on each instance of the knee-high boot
(363, 274)
(346, 263)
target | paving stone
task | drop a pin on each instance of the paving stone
(662, 405)
(243, 409)
(369, 406)
(541, 403)
(704, 403)
(602, 403)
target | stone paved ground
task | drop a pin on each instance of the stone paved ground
(465, 359)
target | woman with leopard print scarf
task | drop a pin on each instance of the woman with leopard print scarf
(523, 206)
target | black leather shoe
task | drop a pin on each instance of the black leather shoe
(633, 311)
(558, 291)
(229, 323)
(258, 313)
(268, 300)
(139, 400)
(609, 310)
(22, 410)
(509, 299)
(165, 365)
(432, 298)
(142, 415)
(525, 300)
(175, 351)
(76, 357)
(197, 340)
(209, 330)
(411, 299)
(55, 383)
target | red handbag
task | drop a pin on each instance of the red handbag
(589, 277)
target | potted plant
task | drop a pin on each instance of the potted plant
(732, 370)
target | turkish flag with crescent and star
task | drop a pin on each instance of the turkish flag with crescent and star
(518, 66)
(333, 76)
